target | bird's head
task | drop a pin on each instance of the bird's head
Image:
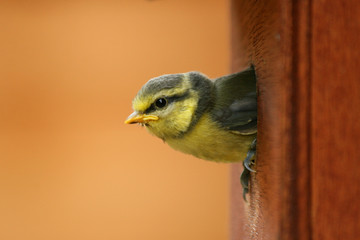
(171, 104)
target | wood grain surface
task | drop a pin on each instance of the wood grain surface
(307, 183)
(335, 118)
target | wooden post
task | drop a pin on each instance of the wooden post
(307, 183)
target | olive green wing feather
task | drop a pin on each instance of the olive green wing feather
(235, 106)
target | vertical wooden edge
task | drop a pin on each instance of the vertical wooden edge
(296, 214)
(274, 35)
(256, 40)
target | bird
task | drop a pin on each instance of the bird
(214, 120)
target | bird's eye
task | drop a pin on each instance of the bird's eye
(160, 102)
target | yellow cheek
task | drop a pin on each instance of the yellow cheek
(184, 118)
(183, 113)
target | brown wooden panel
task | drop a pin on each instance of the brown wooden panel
(335, 119)
(306, 55)
(273, 35)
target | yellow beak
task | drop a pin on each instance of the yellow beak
(136, 117)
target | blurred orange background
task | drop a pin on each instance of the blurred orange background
(69, 167)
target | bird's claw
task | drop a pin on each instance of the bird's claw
(245, 176)
(249, 156)
(247, 164)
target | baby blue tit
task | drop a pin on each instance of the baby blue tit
(212, 120)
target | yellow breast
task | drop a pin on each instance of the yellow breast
(208, 141)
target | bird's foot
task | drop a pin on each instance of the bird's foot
(244, 179)
(249, 157)
(245, 176)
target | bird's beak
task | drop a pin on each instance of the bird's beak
(136, 117)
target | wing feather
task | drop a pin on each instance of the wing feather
(235, 106)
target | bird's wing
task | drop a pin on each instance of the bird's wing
(235, 106)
